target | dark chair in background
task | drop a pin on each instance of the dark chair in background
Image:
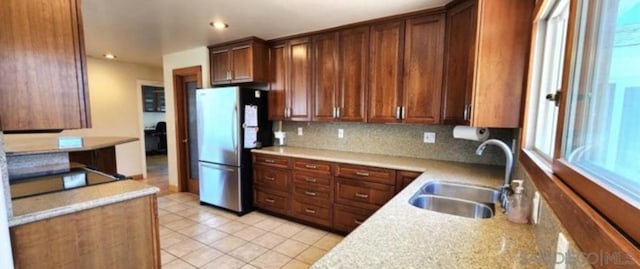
(161, 133)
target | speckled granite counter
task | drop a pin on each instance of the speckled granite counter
(399, 235)
(51, 205)
(24, 146)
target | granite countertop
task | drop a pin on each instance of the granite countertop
(49, 144)
(399, 235)
(51, 205)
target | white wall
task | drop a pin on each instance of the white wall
(150, 119)
(192, 57)
(116, 107)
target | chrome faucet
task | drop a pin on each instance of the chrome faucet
(505, 190)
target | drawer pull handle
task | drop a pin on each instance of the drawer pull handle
(269, 161)
(357, 222)
(270, 178)
(310, 179)
(364, 174)
(310, 211)
(310, 193)
(269, 200)
(361, 195)
(310, 166)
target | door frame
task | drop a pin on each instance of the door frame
(180, 103)
(141, 136)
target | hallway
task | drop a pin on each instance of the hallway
(157, 173)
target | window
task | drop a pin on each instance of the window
(547, 80)
(603, 109)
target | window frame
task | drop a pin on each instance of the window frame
(598, 220)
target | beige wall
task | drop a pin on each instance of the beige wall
(116, 108)
(193, 57)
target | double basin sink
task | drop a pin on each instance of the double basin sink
(466, 200)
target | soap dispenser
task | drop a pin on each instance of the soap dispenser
(518, 209)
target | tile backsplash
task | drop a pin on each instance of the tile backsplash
(395, 139)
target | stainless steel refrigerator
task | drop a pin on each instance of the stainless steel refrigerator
(230, 122)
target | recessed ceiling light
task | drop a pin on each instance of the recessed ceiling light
(218, 25)
(110, 56)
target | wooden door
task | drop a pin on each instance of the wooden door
(299, 88)
(385, 76)
(459, 63)
(423, 60)
(278, 60)
(325, 76)
(186, 81)
(42, 66)
(220, 66)
(242, 66)
(353, 66)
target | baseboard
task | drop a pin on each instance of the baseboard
(173, 188)
(137, 177)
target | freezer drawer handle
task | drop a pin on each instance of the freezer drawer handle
(310, 166)
(309, 210)
(310, 179)
(361, 195)
(269, 161)
(269, 178)
(269, 200)
(310, 193)
(357, 222)
(364, 174)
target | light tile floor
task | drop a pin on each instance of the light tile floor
(195, 236)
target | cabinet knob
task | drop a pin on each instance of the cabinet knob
(398, 112)
(270, 178)
(338, 112)
(269, 200)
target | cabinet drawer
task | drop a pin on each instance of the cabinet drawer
(346, 218)
(363, 194)
(309, 192)
(310, 212)
(273, 178)
(319, 167)
(380, 175)
(311, 179)
(271, 160)
(270, 201)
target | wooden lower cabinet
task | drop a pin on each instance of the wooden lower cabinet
(319, 213)
(404, 178)
(120, 235)
(103, 160)
(270, 200)
(347, 218)
(363, 194)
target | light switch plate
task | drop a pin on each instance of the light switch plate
(340, 133)
(300, 131)
(429, 137)
(561, 252)
(535, 209)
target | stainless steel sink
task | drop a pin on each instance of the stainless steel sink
(454, 206)
(480, 194)
(466, 200)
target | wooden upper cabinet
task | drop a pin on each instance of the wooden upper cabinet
(278, 76)
(496, 35)
(385, 75)
(353, 53)
(238, 61)
(325, 76)
(43, 66)
(423, 64)
(299, 87)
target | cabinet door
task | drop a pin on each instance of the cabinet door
(299, 89)
(278, 59)
(325, 76)
(459, 63)
(385, 79)
(43, 81)
(404, 178)
(241, 63)
(423, 60)
(220, 66)
(354, 61)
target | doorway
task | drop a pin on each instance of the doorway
(186, 82)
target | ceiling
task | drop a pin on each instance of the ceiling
(141, 31)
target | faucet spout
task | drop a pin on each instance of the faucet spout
(508, 154)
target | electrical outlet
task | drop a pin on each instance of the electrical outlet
(300, 131)
(561, 252)
(340, 133)
(429, 137)
(535, 208)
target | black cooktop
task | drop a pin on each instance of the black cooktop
(74, 178)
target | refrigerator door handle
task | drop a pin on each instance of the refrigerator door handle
(234, 126)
